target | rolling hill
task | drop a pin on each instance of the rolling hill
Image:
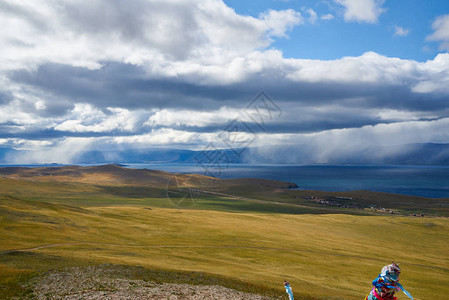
(243, 234)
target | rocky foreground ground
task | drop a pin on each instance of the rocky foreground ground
(101, 283)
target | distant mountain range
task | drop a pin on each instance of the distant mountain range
(411, 154)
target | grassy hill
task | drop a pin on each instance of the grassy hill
(244, 234)
(111, 184)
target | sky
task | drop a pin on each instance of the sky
(335, 75)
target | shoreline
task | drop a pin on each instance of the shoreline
(427, 181)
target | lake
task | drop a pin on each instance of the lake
(425, 181)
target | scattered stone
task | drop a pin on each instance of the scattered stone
(102, 283)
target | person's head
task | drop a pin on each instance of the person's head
(391, 272)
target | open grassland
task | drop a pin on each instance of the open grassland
(323, 256)
(113, 185)
(95, 195)
(244, 234)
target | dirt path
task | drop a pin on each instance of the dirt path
(261, 201)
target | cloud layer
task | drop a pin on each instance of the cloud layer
(79, 76)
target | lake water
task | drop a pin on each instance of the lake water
(426, 181)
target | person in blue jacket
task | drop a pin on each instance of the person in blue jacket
(386, 284)
(288, 290)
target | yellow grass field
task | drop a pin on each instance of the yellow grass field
(323, 255)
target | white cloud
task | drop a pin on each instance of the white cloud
(279, 22)
(369, 67)
(197, 118)
(441, 32)
(24, 144)
(312, 16)
(395, 115)
(374, 68)
(400, 31)
(165, 137)
(433, 75)
(166, 38)
(86, 118)
(82, 33)
(327, 17)
(172, 117)
(22, 111)
(362, 10)
(205, 42)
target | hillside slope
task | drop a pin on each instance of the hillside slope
(248, 251)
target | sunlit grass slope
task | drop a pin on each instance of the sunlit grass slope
(114, 185)
(323, 256)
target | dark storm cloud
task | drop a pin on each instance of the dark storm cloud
(5, 97)
(364, 95)
(122, 85)
(128, 86)
(45, 134)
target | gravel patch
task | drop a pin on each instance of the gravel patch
(101, 283)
